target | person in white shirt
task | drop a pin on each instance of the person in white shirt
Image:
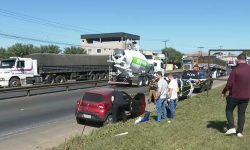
(172, 94)
(161, 96)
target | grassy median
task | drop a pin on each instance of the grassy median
(199, 124)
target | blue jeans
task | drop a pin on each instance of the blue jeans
(172, 107)
(161, 108)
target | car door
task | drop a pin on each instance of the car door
(138, 105)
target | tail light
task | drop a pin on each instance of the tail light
(79, 102)
(102, 106)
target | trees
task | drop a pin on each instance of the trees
(20, 50)
(74, 50)
(3, 53)
(173, 55)
(50, 49)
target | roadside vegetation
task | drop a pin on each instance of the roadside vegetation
(199, 124)
(20, 50)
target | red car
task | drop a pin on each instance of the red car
(96, 105)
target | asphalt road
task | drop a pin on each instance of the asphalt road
(28, 115)
(43, 121)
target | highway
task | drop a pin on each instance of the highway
(43, 121)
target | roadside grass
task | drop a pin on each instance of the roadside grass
(199, 124)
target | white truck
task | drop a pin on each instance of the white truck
(157, 60)
(132, 67)
(52, 68)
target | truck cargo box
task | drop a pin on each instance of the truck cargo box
(69, 60)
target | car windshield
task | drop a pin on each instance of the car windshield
(7, 63)
(93, 97)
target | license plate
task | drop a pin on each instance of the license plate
(86, 116)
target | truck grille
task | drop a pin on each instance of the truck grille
(186, 67)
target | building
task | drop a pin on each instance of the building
(105, 43)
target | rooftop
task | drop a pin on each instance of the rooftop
(117, 35)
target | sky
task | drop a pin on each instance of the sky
(186, 24)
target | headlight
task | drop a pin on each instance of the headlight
(2, 79)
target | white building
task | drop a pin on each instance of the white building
(104, 44)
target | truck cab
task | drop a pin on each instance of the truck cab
(15, 70)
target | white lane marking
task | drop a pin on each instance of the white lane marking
(21, 109)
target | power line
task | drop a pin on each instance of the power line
(41, 21)
(9, 36)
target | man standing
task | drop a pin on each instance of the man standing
(152, 90)
(161, 96)
(238, 85)
(173, 96)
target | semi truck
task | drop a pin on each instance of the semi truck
(202, 61)
(132, 68)
(52, 68)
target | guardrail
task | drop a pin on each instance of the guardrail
(6, 93)
(15, 92)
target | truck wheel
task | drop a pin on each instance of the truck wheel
(139, 82)
(145, 81)
(98, 76)
(92, 77)
(49, 79)
(104, 76)
(14, 82)
(60, 79)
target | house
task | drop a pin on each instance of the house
(106, 43)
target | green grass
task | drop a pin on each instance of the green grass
(199, 124)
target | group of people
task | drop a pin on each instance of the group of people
(164, 94)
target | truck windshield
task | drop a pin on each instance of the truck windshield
(7, 63)
(187, 61)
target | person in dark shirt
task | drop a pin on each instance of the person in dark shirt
(238, 86)
(118, 111)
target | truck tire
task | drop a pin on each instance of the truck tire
(104, 76)
(92, 77)
(139, 82)
(98, 76)
(14, 82)
(60, 79)
(145, 81)
(50, 79)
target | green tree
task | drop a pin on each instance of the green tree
(3, 53)
(74, 50)
(20, 50)
(173, 55)
(50, 49)
(247, 53)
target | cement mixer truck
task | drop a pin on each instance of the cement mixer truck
(131, 68)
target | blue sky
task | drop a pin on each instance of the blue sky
(187, 24)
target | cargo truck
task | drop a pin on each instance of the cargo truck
(202, 61)
(52, 68)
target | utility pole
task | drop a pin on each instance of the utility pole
(165, 41)
(165, 53)
(201, 47)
